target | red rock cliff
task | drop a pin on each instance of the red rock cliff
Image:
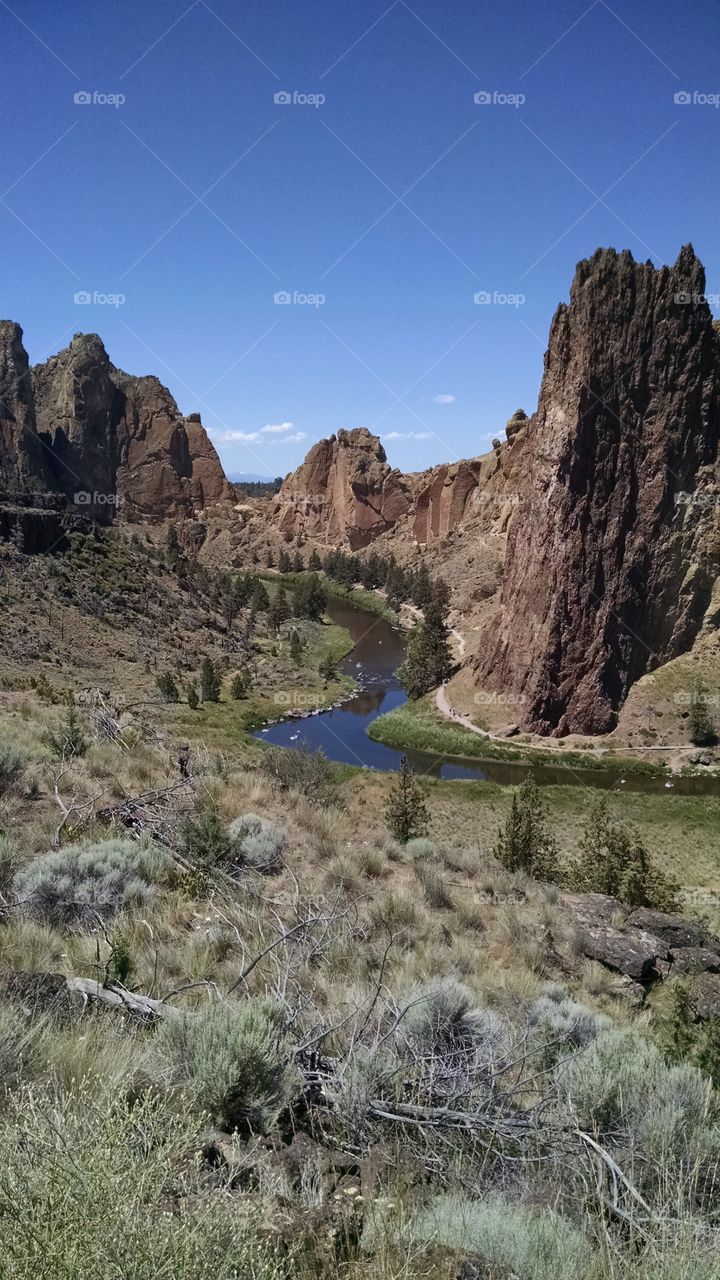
(614, 549)
(344, 492)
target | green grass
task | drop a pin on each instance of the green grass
(418, 726)
(358, 597)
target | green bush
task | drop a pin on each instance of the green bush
(444, 1015)
(621, 1086)
(205, 839)
(509, 1239)
(13, 762)
(309, 772)
(524, 842)
(261, 843)
(68, 739)
(614, 860)
(96, 1187)
(232, 1057)
(77, 884)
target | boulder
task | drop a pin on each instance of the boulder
(694, 960)
(705, 996)
(676, 931)
(636, 954)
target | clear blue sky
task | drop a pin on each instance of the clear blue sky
(301, 198)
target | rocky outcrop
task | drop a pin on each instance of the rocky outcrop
(613, 553)
(22, 464)
(121, 437)
(646, 946)
(343, 493)
(111, 444)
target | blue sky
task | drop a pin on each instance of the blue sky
(380, 211)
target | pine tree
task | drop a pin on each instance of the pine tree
(259, 600)
(310, 600)
(210, 682)
(524, 842)
(428, 660)
(167, 687)
(279, 610)
(677, 1033)
(284, 562)
(406, 813)
(193, 700)
(327, 667)
(295, 646)
(298, 563)
(702, 728)
(614, 861)
(270, 558)
(314, 563)
(239, 686)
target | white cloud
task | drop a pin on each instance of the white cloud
(444, 399)
(299, 435)
(422, 435)
(231, 437)
(408, 435)
(276, 429)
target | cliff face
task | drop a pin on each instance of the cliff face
(22, 461)
(76, 424)
(612, 555)
(344, 492)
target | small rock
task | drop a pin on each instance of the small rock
(706, 996)
(694, 960)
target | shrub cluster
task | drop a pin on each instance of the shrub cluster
(233, 1058)
(92, 880)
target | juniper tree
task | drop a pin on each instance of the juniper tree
(613, 860)
(524, 842)
(702, 728)
(428, 660)
(406, 814)
(210, 682)
(310, 599)
(167, 687)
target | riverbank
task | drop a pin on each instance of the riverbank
(419, 726)
(357, 597)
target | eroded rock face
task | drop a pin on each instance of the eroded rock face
(122, 436)
(612, 555)
(76, 425)
(22, 464)
(344, 492)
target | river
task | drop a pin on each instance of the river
(341, 732)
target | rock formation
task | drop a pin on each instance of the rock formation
(613, 553)
(344, 492)
(77, 425)
(21, 455)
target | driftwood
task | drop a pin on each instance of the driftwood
(118, 997)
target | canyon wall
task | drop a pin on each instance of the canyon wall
(612, 556)
(78, 425)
